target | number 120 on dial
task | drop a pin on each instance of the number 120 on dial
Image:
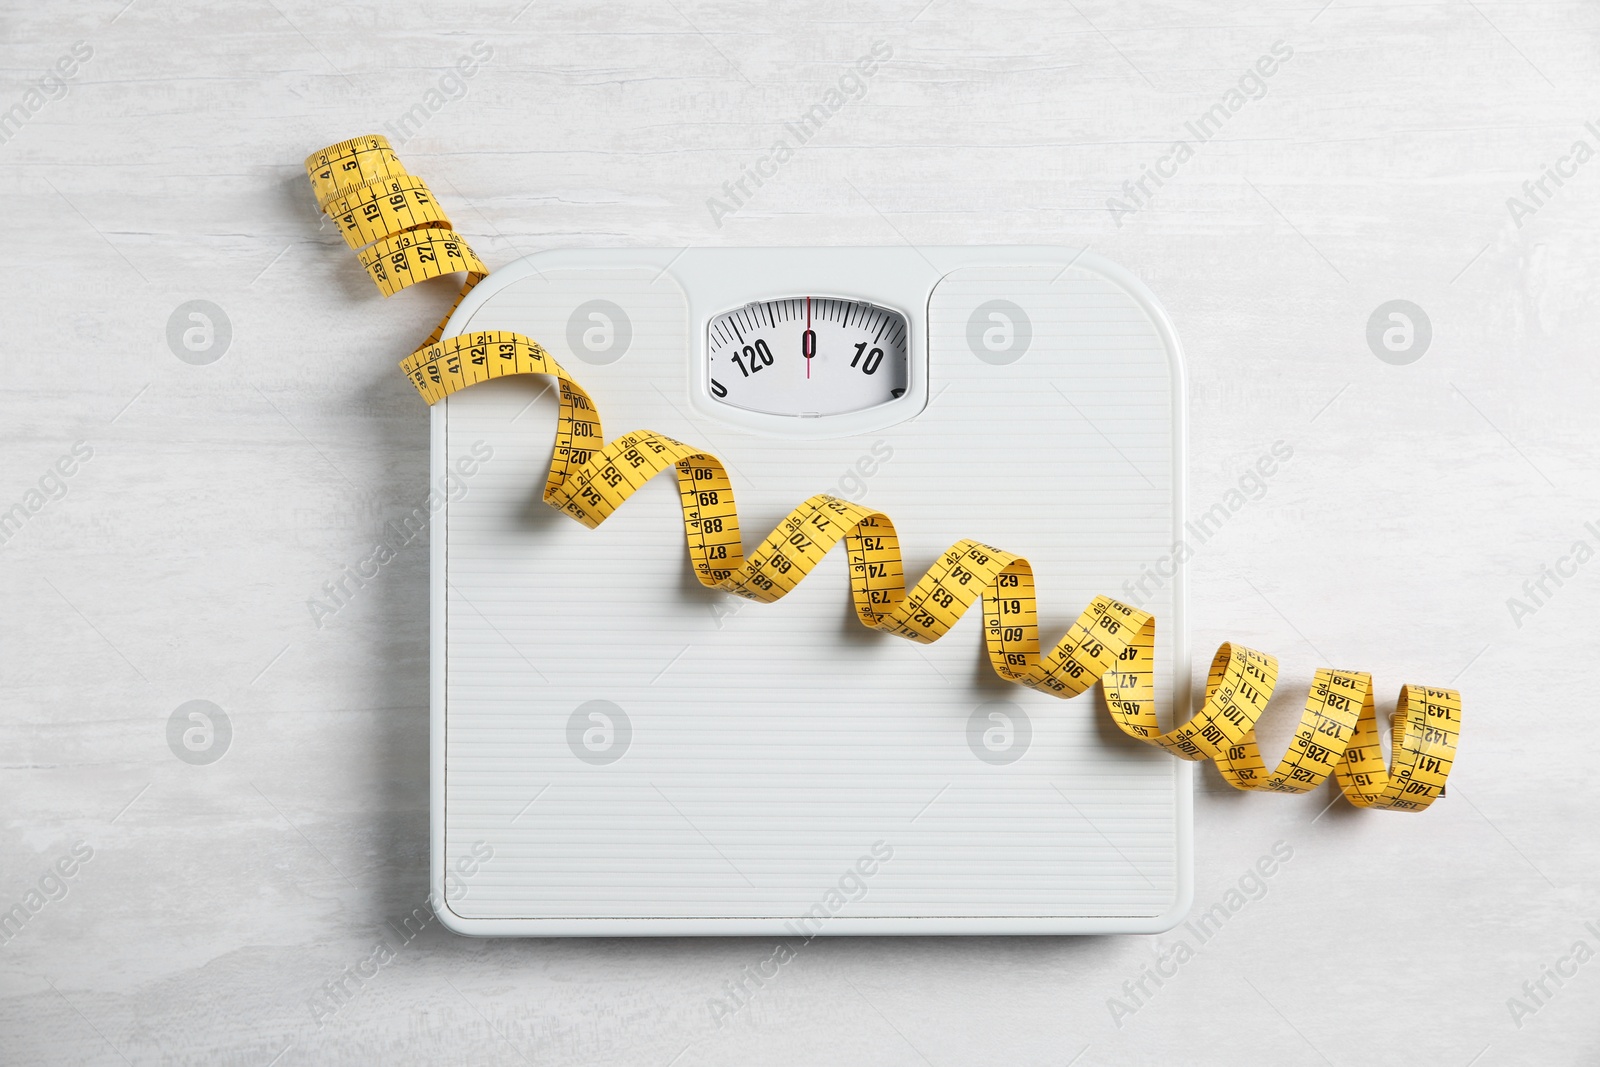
(807, 356)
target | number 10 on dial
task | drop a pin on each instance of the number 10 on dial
(807, 356)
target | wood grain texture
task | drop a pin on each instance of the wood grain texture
(175, 563)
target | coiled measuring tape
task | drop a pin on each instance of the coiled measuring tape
(391, 219)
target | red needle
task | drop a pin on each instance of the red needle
(808, 330)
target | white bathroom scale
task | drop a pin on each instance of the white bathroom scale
(617, 750)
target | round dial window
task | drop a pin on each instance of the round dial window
(807, 356)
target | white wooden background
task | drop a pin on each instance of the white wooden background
(175, 563)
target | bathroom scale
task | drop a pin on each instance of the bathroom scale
(617, 750)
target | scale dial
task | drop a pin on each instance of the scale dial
(807, 356)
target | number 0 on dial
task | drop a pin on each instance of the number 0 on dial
(807, 356)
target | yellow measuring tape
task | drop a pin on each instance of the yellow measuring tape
(391, 219)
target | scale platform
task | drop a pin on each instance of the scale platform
(617, 750)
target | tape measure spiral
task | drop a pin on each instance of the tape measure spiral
(390, 218)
